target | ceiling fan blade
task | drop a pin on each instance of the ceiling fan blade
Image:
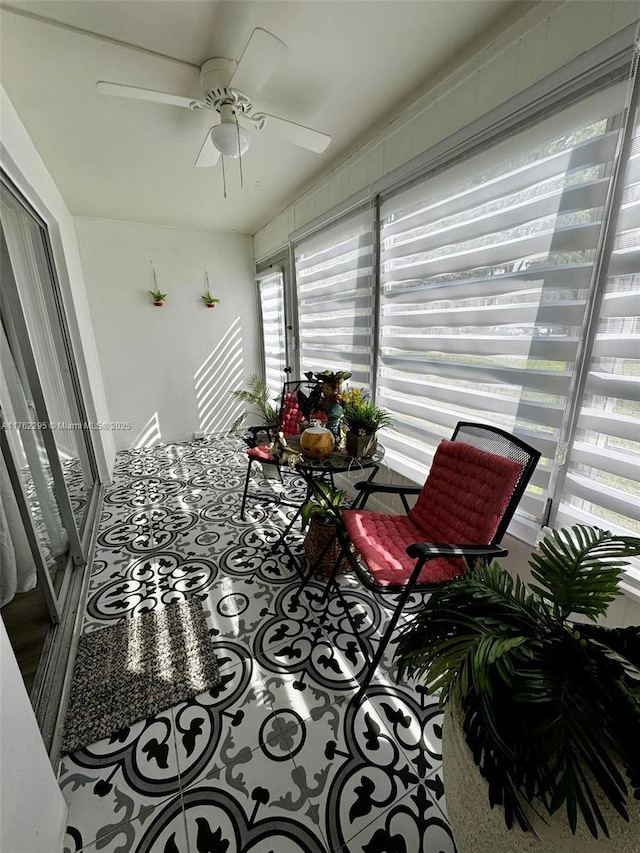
(209, 154)
(297, 134)
(146, 95)
(262, 55)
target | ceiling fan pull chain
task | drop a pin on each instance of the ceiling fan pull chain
(224, 178)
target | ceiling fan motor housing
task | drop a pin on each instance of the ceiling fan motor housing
(215, 76)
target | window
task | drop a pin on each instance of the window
(271, 294)
(602, 483)
(494, 291)
(334, 285)
(486, 269)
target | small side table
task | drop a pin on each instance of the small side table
(338, 462)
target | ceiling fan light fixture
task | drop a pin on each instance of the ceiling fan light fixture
(230, 139)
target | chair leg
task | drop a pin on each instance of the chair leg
(386, 637)
(382, 645)
(246, 488)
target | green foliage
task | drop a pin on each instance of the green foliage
(157, 295)
(326, 503)
(551, 708)
(332, 377)
(363, 417)
(257, 394)
(209, 299)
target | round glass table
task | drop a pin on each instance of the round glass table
(312, 470)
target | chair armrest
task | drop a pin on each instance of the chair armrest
(254, 432)
(435, 549)
(370, 486)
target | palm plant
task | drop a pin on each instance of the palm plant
(257, 394)
(550, 707)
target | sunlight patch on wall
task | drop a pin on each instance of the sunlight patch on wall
(219, 374)
(149, 435)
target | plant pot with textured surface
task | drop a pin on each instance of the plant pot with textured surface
(319, 538)
(360, 445)
(478, 828)
(550, 707)
(322, 513)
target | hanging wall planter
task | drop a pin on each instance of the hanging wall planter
(209, 300)
(157, 296)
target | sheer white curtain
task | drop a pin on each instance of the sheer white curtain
(17, 568)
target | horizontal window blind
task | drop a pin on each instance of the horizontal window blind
(602, 484)
(334, 285)
(485, 270)
(271, 292)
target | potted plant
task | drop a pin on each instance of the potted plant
(257, 394)
(546, 708)
(209, 300)
(322, 513)
(158, 298)
(363, 419)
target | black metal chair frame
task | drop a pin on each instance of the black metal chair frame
(269, 432)
(485, 437)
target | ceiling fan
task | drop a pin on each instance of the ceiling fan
(228, 87)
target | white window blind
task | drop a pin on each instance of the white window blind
(485, 270)
(271, 292)
(602, 484)
(334, 276)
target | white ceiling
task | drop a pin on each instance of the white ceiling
(350, 63)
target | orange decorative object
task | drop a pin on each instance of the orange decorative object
(317, 442)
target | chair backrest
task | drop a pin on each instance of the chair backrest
(474, 486)
(502, 443)
(297, 395)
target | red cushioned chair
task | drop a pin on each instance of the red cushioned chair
(298, 398)
(474, 485)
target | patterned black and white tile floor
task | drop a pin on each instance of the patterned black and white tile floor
(278, 758)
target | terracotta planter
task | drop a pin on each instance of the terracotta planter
(158, 304)
(478, 828)
(211, 304)
(319, 533)
(360, 445)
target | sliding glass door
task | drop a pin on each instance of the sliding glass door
(48, 474)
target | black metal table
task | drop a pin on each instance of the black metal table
(338, 462)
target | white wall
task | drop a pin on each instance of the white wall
(542, 41)
(32, 809)
(168, 370)
(21, 161)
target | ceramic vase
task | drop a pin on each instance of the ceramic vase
(317, 442)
